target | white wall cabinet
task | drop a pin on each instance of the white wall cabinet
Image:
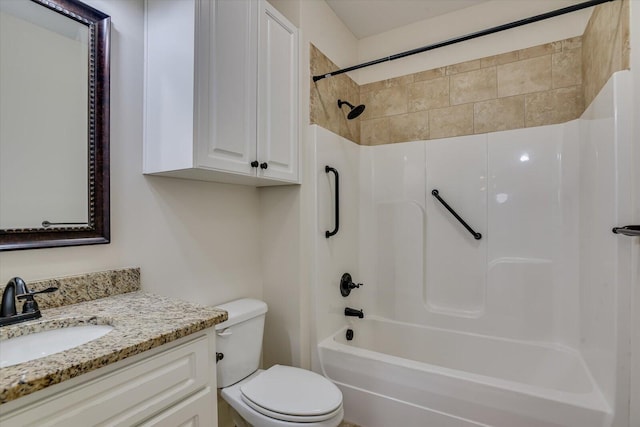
(175, 385)
(221, 92)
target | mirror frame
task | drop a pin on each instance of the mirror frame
(97, 231)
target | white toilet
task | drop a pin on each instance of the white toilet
(281, 396)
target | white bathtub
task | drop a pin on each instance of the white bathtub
(398, 374)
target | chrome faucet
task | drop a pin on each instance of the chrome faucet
(16, 289)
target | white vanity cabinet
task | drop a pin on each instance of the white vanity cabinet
(172, 385)
(221, 92)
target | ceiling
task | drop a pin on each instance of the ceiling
(369, 17)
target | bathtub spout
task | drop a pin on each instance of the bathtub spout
(348, 311)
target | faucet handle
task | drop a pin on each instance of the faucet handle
(346, 284)
(30, 305)
(30, 294)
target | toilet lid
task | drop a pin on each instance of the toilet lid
(292, 394)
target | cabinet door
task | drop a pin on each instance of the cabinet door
(277, 96)
(227, 137)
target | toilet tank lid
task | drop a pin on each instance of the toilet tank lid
(241, 310)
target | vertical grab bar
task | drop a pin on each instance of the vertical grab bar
(328, 233)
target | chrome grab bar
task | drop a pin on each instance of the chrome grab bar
(628, 230)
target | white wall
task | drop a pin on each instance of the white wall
(287, 213)
(496, 12)
(193, 240)
(327, 32)
(279, 240)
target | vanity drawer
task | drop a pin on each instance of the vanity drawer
(126, 396)
(197, 410)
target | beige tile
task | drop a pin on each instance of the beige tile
(430, 74)
(386, 84)
(566, 68)
(409, 127)
(350, 129)
(319, 63)
(401, 81)
(451, 121)
(499, 114)
(503, 58)
(373, 86)
(324, 94)
(348, 424)
(597, 47)
(428, 94)
(540, 50)
(529, 75)
(474, 86)
(385, 102)
(463, 67)
(625, 30)
(621, 44)
(323, 108)
(554, 106)
(375, 131)
(572, 43)
(615, 64)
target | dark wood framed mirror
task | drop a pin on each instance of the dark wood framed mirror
(54, 124)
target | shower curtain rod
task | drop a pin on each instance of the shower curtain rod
(477, 34)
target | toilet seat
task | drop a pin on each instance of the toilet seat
(288, 417)
(292, 394)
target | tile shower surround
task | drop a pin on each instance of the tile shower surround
(536, 86)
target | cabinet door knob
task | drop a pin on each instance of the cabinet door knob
(254, 164)
(264, 165)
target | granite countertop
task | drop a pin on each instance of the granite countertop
(140, 321)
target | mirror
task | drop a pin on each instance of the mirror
(54, 124)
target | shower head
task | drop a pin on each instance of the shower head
(355, 111)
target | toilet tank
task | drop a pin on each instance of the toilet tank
(239, 339)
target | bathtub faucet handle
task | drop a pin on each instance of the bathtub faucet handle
(348, 311)
(346, 284)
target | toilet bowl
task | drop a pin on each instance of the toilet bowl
(279, 408)
(281, 396)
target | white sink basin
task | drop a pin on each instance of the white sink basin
(40, 344)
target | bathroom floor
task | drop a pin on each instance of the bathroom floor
(348, 424)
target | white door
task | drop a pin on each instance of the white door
(231, 142)
(278, 96)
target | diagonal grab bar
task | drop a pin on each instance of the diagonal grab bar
(436, 194)
(328, 233)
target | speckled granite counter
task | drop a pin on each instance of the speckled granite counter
(141, 322)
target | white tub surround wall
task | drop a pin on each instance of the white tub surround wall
(548, 277)
(337, 254)
(515, 189)
(635, 256)
(606, 197)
